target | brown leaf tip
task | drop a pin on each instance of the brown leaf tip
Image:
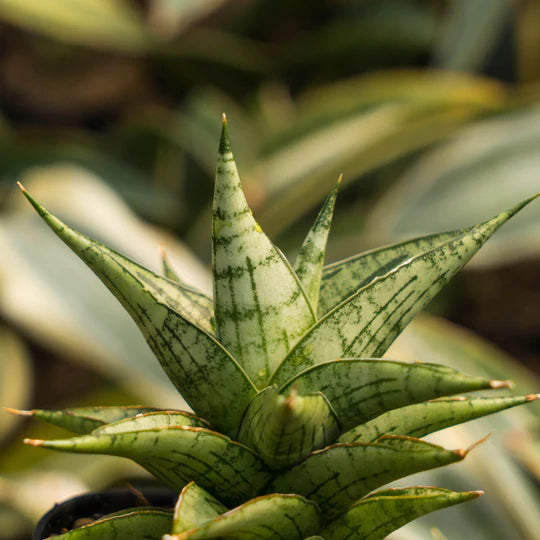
(532, 397)
(34, 442)
(224, 118)
(18, 412)
(21, 187)
(501, 384)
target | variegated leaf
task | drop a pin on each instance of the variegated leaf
(177, 455)
(361, 389)
(271, 517)
(148, 523)
(84, 420)
(343, 278)
(366, 323)
(282, 430)
(309, 263)
(195, 507)
(425, 418)
(341, 474)
(378, 514)
(210, 380)
(168, 270)
(261, 308)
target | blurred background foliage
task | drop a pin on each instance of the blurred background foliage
(109, 113)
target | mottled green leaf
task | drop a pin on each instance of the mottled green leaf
(282, 430)
(378, 514)
(83, 420)
(194, 507)
(424, 418)
(367, 322)
(360, 389)
(168, 270)
(261, 308)
(343, 278)
(137, 523)
(309, 263)
(177, 455)
(168, 315)
(341, 474)
(271, 517)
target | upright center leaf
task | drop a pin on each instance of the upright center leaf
(261, 308)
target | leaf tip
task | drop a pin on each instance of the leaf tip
(463, 452)
(21, 187)
(18, 412)
(501, 384)
(532, 397)
(34, 442)
(477, 493)
(224, 145)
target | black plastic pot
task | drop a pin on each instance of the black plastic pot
(93, 505)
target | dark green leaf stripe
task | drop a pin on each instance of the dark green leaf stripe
(425, 418)
(309, 263)
(343, 278)
(361, 389)
(270, 517)
(378, 514)
(282, 430)
(261, 307)
(148, 524)
(210, 380)
(366, 323)
(194, 508)
(178, 455)
(83, 420)
(341, 474)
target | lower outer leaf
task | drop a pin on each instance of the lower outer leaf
(423, 418)
(140, 523)
(272, 517)
(377, 515)
(339, 475)
(177, 455)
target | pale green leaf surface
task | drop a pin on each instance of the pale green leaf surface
(361, 389)
(422, 419)
(339, 475)
(150, 420)
(195, 506)
(138, 523)
(177, 455)
(378, 514)
(84, 420)
(283, 429)
(343, 278)
(310, 260)
(168, 270)
(181, 346)
(261, 308)
(272, 517)
(367, 322)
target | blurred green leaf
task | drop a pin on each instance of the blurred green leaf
(476, 173)
(108, 24)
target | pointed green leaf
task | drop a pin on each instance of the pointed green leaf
(177, 455)
(378, 514)
(261, 308)
(84, 420)
(343, 278)
(359, 389)
(168, 270)
(267, 517)
(366, 323)
(341, 474)
(425, 418)
(194, 507)
(169, 316)
(148, 523)
(151, 420)
(282, 430)
(309, 263)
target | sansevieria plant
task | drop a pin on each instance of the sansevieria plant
(297, 419)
